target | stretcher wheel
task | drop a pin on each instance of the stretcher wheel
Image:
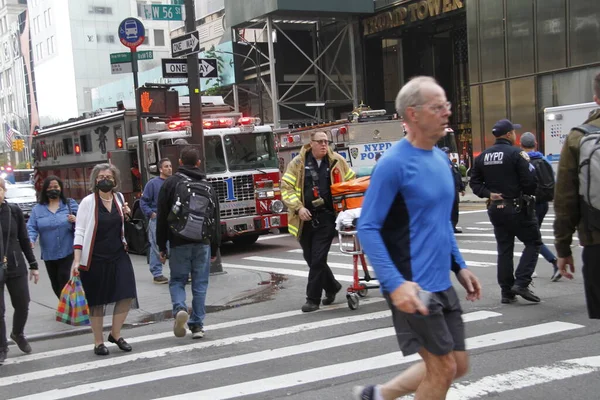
(364, 291)
(353, 301)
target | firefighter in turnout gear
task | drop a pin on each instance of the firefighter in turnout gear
(504, 175)
(305, 190)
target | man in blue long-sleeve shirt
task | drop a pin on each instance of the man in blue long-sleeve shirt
(406, 232)
(148, 203)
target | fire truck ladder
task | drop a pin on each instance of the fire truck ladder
(329, 80)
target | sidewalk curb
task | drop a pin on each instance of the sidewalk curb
(243, 298)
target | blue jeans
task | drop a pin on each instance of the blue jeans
(540, 211)
(195, 259)
(155, 264)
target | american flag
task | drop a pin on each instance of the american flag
(9, 135)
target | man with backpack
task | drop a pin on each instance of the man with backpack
(577, 204)
(544, 192)
(188, 217)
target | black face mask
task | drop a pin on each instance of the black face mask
(105, 185)
(53, 194)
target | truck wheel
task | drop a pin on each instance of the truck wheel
(245, 240)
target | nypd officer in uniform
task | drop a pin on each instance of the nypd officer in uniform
(504, 175)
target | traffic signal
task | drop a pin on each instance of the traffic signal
(20, 144)
(158, 102)
(15, 145)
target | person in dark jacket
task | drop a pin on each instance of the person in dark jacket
(528, 144)
(504, 175)
(459, 186)
(14, 242)
(186, 257)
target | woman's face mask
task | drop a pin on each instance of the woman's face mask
(105, 185)
(53, 194)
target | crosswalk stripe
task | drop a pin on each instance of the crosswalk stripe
(523, 378)
(489, 223)
(487, 252)
(165, 335)
(284, 271)
(365, 364)
(296, 262)
(234, 361)
(474, 228)
(464, 234)
(269, 237)
(472, 211)
(344, 266)
(248, 337)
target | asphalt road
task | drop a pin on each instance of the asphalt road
(270, 350)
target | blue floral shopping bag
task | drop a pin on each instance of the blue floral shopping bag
(72, 306)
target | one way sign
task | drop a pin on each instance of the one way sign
(208, 68)
(185, 44)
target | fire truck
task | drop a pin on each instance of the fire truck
(240, 161)
(359, 138)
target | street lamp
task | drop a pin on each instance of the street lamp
(258, 77)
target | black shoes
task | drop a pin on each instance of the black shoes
(508, 299)
(555, 273)
(21, 342)
(458, 230)
(309, 307)
(525, 293)
(101, 350)
(121, 343)
(330, 297)
(3, 354)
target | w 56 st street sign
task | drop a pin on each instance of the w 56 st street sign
(163, 12)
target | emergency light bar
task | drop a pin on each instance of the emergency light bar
(178, 125)
(372, 113)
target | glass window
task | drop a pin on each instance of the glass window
(522, 104)
(392, 54)
(250, 151)
(551, 35)
(159, 37)
(213, 152)
(476, 134)
(86, 143)
(494, 109)
(584, 27)
(520, 37)
(472, 26)
(492, 39)
(68, 145)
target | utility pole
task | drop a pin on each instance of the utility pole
(141, 150)
(193, 70)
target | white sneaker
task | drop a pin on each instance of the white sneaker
(197, 333)
(180, 320)
(534, 275)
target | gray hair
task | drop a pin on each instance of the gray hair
(411, 94)
(104, 167)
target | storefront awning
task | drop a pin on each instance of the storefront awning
(241, 12)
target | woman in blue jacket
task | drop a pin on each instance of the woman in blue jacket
(53, 220)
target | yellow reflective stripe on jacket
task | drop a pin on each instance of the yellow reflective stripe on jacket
(349, 175)
(293, 230)
(289, 178)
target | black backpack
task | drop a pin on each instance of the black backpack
(545, 176)
(192, 216)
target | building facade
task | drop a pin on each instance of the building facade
(73, 40)
(495, 58)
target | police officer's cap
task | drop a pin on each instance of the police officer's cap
(504, 126)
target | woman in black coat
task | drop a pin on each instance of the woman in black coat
(14, 242)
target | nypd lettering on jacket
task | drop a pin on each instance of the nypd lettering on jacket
(495, 158)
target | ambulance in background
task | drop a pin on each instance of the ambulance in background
(558, 122)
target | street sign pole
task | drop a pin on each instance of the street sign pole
(131, 35)
(136, 84)
(193, 70)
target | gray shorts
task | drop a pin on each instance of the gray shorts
(440, 333)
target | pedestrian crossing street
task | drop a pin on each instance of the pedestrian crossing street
(268, 356)
(287, 353)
